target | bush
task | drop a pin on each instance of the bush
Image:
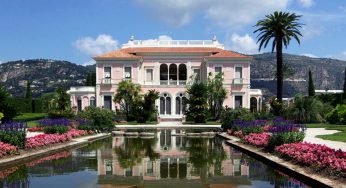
(337, 115)
(15, 138)
(197, 103)
(278, 139)
(229, 116)
(306, 109)
(102, 119)
(58, 129)
(68, 113)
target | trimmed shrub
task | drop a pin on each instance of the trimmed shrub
(278, 139)
(229, 116)
(337, 115)
(15, 138)
(102, 119)
(58, 129)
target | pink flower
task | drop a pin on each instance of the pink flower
(7, 149)
(257, 139)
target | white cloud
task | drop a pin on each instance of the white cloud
(101, 44)
(306, 3)
(227, 13)
(309, 55)
(90, 62)
(311, 31)
(165, 37)
(342, 56)
(152, 41)
(243, 44)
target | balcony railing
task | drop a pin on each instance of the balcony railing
(107, 81)
(238, 81)
(172, 82)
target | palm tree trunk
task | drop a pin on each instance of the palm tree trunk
(279, 69)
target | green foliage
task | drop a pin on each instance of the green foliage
(37, 106)
(85, 127)
(216, 95)
(146, 110)
(57, 129)
(331, 98)
(16, 138)
(128, 97)
(1, 115)
(230, 115)
(306, 109)
(91, 79)
(30, 116)
(102, 119)
(62, 107)
(311, 85)
(278, 139)
(277, 108)
(337, 115)
(344, 89)
(197, 102)
(9, 110)
(280, 27)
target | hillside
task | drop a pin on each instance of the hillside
(327, 73)
(47, 75)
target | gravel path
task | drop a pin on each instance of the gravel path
(311, 133)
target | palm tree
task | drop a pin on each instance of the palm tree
(281, 27)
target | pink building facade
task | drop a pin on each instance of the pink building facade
(169, 66)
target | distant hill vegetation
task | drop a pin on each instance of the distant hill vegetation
(47, 75)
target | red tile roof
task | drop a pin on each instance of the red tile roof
(210, 52)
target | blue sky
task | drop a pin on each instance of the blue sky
(76, 30)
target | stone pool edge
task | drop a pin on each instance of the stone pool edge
(76, 142)
(294, 170)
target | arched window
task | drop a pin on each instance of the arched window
(182, 74)
(92, 101)
(163, 74)
(180, 104)
(173, 77)
(165, 104)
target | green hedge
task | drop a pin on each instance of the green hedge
(16, 138)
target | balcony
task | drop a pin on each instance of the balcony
(238, 81)
(107, 81)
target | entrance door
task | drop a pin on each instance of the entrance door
(107, 102)
(162, 105)
(79, 104)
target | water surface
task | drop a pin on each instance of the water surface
(162, 160)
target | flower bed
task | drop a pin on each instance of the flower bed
(257, 139)
(320, 157)
(48, 139)
(7, 149)
(35, 129)
(54, 122)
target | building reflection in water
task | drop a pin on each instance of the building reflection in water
(138, 161)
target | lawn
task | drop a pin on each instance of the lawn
(341, 136)
(30, 116)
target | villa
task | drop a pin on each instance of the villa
(168, 66)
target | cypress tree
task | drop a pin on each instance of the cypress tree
(311, 85)
(28, 97)
(93, 79)
(344, 94)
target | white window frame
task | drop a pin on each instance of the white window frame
(145, 74)
(124, 76)
(193, 72)
(242, 70)
(106, 66)
(222, 69)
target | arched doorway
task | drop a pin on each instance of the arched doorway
(253, 104)
(163, 74)
(165, 104)
(79, 103)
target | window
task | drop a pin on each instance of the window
(92, 101)
(239, 72)
(218, 71)
(197, 73)
(107, 72)
(127, 72)
(149, 75)
(238, 101)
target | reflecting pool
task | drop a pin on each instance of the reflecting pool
(163, 160)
